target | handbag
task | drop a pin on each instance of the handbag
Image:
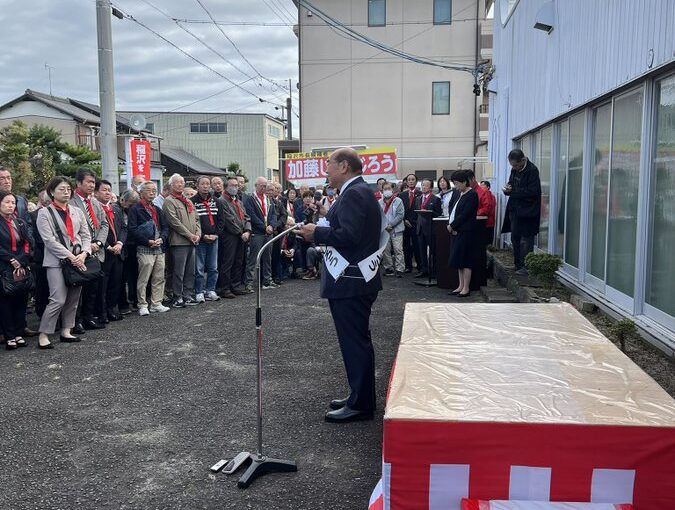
(72, 276)
(12, 287)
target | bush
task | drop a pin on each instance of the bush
(623, 329)
(543, 266)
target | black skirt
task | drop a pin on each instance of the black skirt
(463, 254)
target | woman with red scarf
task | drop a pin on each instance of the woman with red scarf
(15, 245)
(72, 225)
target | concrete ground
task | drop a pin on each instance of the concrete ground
(134, 416)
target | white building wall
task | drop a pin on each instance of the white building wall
(353, 94)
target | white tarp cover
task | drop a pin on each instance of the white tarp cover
(517, 363)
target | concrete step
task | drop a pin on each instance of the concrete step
(498, 295)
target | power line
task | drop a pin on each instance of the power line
(276, 13)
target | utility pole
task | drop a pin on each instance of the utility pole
(289, 111)
(49, 72)
(106, 86)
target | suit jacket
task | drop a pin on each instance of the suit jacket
(142, 228)
(23, 239)
(355, 223)
(120, 230)
(182, 223)
(54, 250)
(465, 213)
(281, 213)
(97, 234)
(410, 213)
(254, 211)
(230, 222)
(425, 220)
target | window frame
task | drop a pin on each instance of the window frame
(433, 88)
(384, 13)
(449, 22)
(205, 128)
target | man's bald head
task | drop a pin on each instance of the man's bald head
(350, 156)
(342, 165)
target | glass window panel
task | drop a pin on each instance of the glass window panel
(441, 98)
(562, 182)
(574, 182)
(376, 13)
(442, 12)
(194, 128)
(602, 118)
(544, 164)
(662, 239)
(203, 128)
(623, 192)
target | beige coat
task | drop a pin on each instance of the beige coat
(54, 250)
(181, 223)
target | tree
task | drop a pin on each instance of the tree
(15, 154)
(78, 156)
(235, 169)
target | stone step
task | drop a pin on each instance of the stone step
(497, 295)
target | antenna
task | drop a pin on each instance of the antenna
(137, 121)
(49, 71)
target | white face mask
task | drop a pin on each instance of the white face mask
(232, 191)
(388, 193)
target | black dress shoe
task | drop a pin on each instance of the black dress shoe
(421, 275)
(408, 270)
(115, 317)
(46, 346)
(90, 324)
(338, 403)
(78, 329)
(464, 295)
(70, 340)
(453, 293)
(347, 414)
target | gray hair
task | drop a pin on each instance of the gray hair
(174, 177)
(144, 185)
(130, 195)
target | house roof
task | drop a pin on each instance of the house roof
(192, 163)
(79, 110)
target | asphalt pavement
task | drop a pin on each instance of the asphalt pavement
(134, 415)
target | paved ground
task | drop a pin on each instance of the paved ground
(133, 417)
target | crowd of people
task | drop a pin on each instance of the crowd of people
(183, 246)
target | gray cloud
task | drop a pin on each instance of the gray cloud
(149, 73)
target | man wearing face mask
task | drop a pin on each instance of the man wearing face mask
(233, 233)
(328, 201)
(394, 212)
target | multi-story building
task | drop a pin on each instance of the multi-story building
(587, 90)
(353, 94)
(250, 139)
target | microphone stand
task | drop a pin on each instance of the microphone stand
(259, 464)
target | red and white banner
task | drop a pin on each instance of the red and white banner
(140, 152)
(475, 504)
(310, 169)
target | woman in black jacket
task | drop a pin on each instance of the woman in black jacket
(15, 247)
(462, 224)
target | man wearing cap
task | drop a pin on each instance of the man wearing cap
(353, 229)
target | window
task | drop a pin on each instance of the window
(574, 183)
(208, 127)
(624, 178)
(602, 118)
(377, 13)
(150, 127)
(442, 12)
(440, 102)
(662, 236)
(563, 132)
(273, 131)
(425, 174)
(544, 164)
(506, 8)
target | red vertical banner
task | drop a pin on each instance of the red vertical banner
(139, 156)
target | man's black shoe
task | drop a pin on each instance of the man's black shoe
(408, 270)
(92, 325)
(421, 275)
(346, 414)
(113, 317)
(78, 329)
(338, 403)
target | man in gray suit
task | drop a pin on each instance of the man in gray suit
(83, 199)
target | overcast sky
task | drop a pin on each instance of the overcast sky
(149, 73)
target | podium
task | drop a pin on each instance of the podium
(446, 276)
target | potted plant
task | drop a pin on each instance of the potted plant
(623, 329)
(543, 266)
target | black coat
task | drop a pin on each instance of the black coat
(24, 243)
(524, 200)
(142, 227)
(425, 220)
(409, 213)
(465, 213)
(355, 224)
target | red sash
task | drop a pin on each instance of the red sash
(236, 203)
(187, 203)
(206, 203)
(388, 205)
(69, 222)
(111, 219)
(149, 207)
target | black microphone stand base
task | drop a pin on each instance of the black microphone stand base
(260, 466)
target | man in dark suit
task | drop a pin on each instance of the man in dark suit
(355, 223)
(263, 217)
(410, 249)
(523, 210)
(426, 201)
(106, 306)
